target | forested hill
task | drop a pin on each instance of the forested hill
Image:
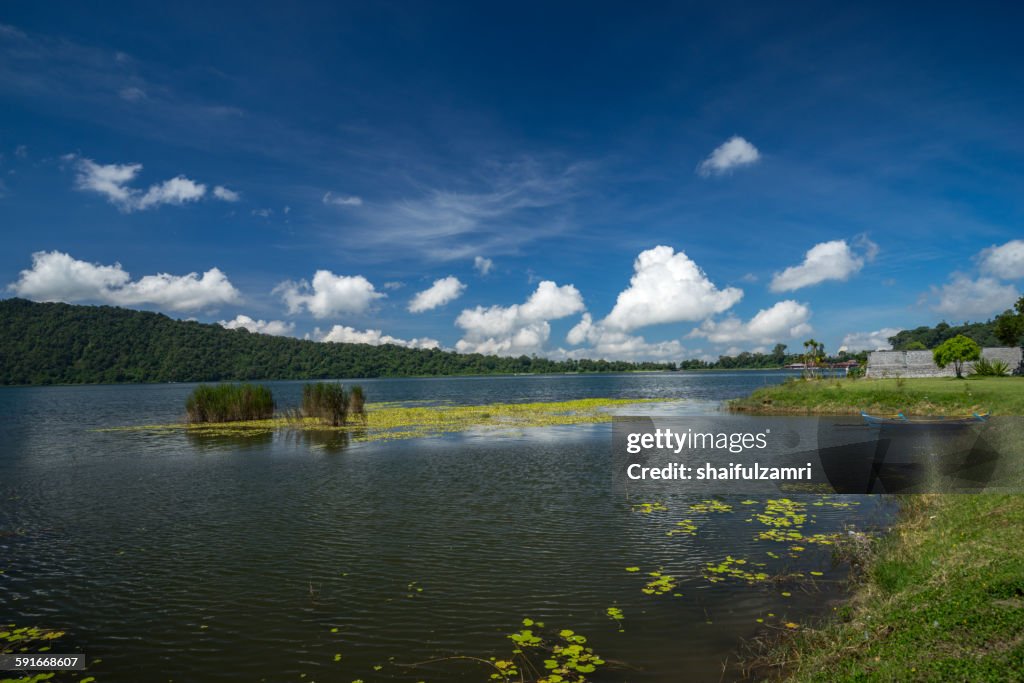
(52, 343)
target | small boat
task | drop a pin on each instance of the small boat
(903, 420)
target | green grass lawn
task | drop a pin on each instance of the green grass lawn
(924, 396)
(941, 599)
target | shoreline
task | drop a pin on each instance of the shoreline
(940, 594)
(931, 601)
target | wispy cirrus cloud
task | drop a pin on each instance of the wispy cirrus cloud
(500, 211)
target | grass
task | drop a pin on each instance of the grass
(391, 421)
(229, 403)
(331, 403)
(917, 396)
(941, 597)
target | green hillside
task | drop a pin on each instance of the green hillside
(53, 343)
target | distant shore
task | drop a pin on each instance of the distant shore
(918, 396)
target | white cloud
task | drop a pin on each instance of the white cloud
(177, 190)
(224, 194)
(483, 265)
(109, 180)
(132, 94)
(393, 284)
(338, 200)
(443, 291)
(493, 211)
(731, 154)
(112, 181)
(1005, 261)
(963, 298)
(519, 328)
(278, 328)
(785, 320)
(615, 345)
(667, 287)
(833, 260)
(350, 335)
(329, 294)
(56, 276)
(869, 341)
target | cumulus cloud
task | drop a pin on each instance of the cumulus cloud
(869, 341)
(1004, 261)
(443, 291)
(339, 200)
(278, 328)
(667, 287)
(350, 335)
(519, 328)
(112, 181)
(224, 194)
(731, 154)
(56, 276)
(616, 345)
(785, 320)
(962, 298)
(483, 265)
(833, 260)
(329, 294)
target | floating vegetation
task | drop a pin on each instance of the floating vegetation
(783, 512)
(229, 403)
(711, 506)
(26, 638)
(659, 584)
(615, 614)
(390, 421)
(648, 508)
(632, 569)
(735, 568)
(685, 528)
(564, 656)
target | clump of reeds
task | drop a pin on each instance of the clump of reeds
(229, 403)
(332, 404)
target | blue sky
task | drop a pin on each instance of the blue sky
(566, 179)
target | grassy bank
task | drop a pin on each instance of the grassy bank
(941, 598)
(919, 396)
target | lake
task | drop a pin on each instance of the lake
(172, 557)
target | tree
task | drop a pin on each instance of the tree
(1010, 325)
(957, 351)
(915, 346)
(814, 355)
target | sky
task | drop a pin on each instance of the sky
(662, 181)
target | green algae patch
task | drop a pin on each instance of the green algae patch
(393, 421)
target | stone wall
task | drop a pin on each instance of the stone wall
(920, 363)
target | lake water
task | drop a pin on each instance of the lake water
(174, 558)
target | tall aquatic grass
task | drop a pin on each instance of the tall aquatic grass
(229, 403)
(332, 404)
